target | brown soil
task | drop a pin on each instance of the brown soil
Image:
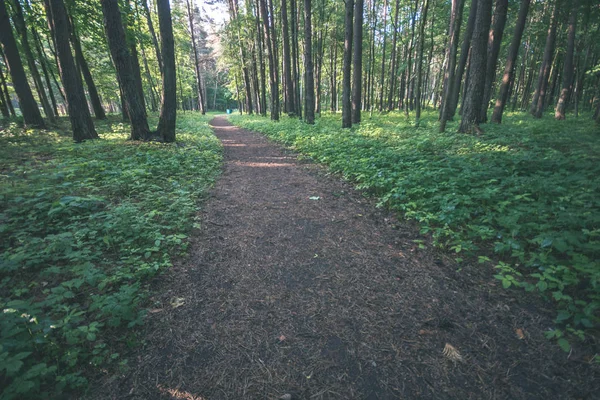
(297, 285)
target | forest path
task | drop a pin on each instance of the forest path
(298, 285)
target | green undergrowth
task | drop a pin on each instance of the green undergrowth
(526, 193)
(82, 229)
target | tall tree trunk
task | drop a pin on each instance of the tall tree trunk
(19, 21)
(409, 73)
(153, 34)
(420, 60)
(79, 113)
(87, 75)
(454, 33)
(272, 49)
(168, 109)
(117, 43)
(333, 63)
(357, 61)
(511, 61)
(494, 42)
(44, 64)
(346, 79)
(462, 62)
(309, 85)
(3, 105)
(295, 57)
(537, 105)
(289, 95)
(382, 80)
(29, 108)
(233, 10)
(390, 104)
(153, 94)
(567, 84)
(196, 60)
(477, 67)
(4, 89)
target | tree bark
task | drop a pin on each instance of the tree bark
(568, 70)
(390, 104)
(79, 113)
(477, 67)
(44, 63)
(4, 88)
(289, 95)
(19, 21)
(196, 60)
(462, 62)
(168, 109)
(29, 108)
(309, 85)
(295, 57)
(153, 34)
(454, 33)
(271, 49)
(382, 80)
(537, 105)
(494, 43)
(117, 43)
(420, 61)
(87, 75)
(357, 61)
(511, 62)
(346, 79)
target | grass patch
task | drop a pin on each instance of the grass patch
(527, 191)
(82, 229)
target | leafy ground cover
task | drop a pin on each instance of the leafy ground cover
(525, 194)
(82, 229)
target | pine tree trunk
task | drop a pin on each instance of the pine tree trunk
(44, 64)
(347, 67)
(462, 62)
(29, 108)
(4, 89)
(309, 84)
(511, 61)
(196, 60)
(382, 79)
(19, 21)
(168, 109)
(153, 94)
(295, 57)
(477, 67)
(454, 33)
(568, 70)
(117, 43)
(79, 113)
(333, 63)
(153, 35)
(289, 96)
(494, 42)
(537, 105)
(390, 103)
(271, 45)
(87, 75)
(420, 61)
(357, 61)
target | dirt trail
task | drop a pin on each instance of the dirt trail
(298, 285)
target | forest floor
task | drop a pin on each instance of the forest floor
(298, 285)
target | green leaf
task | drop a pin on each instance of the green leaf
(564, 345)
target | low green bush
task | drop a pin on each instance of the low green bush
(527, 191)
(82, 228)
